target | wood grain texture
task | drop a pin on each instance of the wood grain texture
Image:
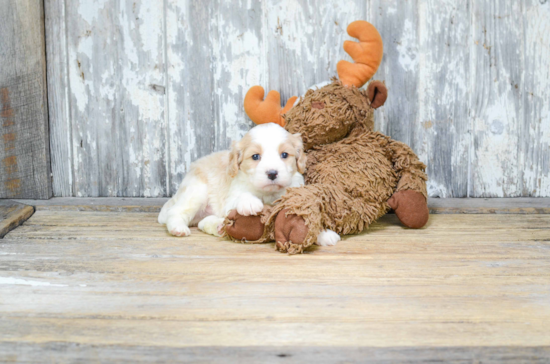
(13, 214)
(535, 131)
(496, 98)
(115, 78)
(398, 23)
(59, 108)
(190, 132)
(24, 139)
(441, 133)
(82, 353)
(159, 86)
(101, 284)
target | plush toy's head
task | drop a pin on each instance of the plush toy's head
(327, 114)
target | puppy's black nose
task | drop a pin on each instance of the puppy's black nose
(272, 174)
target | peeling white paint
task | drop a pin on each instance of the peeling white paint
(143, 114)
(150, 33)
(436, 189)
(407, 47)
(89, 11)
(497, 152)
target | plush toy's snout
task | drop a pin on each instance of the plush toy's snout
(318, 105)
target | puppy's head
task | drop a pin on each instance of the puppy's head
(268, 156)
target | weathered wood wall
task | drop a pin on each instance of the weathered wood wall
(24, 139)
(140, 89)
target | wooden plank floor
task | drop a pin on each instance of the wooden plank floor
(79, 286)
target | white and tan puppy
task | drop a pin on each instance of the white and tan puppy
(256, 171)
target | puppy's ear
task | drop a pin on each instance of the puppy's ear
(235, 159)
(301, 157)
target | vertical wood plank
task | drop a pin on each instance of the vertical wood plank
(535, 133)
(397, 22)
(496, 98)
(58, 98)
(87, 58)
(143, 103)
(191, 122)
(116, 74)
(441, 134)
(24, 140)
(239, 61)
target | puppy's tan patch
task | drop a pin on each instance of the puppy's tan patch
(295, 148)
(249, 150)
(241, 155)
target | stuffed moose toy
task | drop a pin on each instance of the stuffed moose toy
(353, 174)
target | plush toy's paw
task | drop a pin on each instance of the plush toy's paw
(290, 233)
(327, 238)
(241, 227)
(249, 205)
(411, 208)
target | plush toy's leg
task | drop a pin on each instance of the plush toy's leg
(302, 213)
(291, 232)
(411, 208)
(410, 198)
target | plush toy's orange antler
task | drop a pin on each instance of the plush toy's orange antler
(367, 54)
(262, 111)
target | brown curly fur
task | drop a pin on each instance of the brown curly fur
(351, 171)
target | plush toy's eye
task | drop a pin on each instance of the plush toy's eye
(256, 157)
(284, 155)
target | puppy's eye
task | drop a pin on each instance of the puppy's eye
(256, 157)
(284, 155)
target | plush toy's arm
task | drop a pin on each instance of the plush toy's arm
(302, 213)
(410, 198)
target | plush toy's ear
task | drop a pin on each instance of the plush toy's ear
(367, 54)
(262, 111)
(377, 93)
(235, 159)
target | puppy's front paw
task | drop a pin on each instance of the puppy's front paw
(210, 225)
(327, 238)
(177, 227)
(249, 205)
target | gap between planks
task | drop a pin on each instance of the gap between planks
(520, 205)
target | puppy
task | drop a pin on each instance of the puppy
(256, 171)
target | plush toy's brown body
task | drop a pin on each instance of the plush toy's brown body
(353, 176)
